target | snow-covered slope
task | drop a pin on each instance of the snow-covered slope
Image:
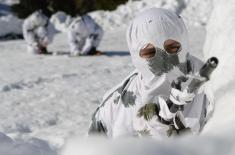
(32, 146)
(220, 43)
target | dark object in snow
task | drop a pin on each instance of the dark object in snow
(11, 36)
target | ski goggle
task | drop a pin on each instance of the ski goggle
(170, 47)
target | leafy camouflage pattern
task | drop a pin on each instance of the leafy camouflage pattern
(148, 111)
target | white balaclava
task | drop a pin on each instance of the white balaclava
(39, 19)
(155, 26)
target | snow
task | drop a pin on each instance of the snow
(120, 17)
(45, 100)
(32, 146)
(44, 94)
(195, 12)
(10, 24)
(220, 43)
(184, 146)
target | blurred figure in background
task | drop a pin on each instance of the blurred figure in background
(38, 32)
(84, 36)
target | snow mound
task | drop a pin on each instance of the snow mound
(195, 12)
(33, 146)
(183, 146)
(10, 25)
(220, 43)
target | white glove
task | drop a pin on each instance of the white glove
(181, 97)
(75, 53)
(88, 45)
(44, 42)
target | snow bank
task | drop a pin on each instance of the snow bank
(183, 146)
(195, 12)
(220, 43)
(33, 146)
(125, 13)
(10, 25)
(9, 2)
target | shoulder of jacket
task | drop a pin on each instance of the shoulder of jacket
(122, 84)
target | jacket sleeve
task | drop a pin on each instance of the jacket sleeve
(88, 45)
(73, 41)
(97, 127)
(193, 117)
(102, 119)
(95, 35)
(50, 34)
(98, 35)
(196, 111)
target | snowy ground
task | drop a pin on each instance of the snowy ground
(53, 97)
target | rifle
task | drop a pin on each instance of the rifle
(204, 73)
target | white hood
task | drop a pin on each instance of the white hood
(155, 26)
(38, 19)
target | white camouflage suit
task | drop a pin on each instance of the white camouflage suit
(84, 35)
(38, 32)
(137, 106)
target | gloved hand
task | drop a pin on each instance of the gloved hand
(75, 53)
(87, 47)
(181, 97)
(44, 42)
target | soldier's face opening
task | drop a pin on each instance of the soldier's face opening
(170, 46)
